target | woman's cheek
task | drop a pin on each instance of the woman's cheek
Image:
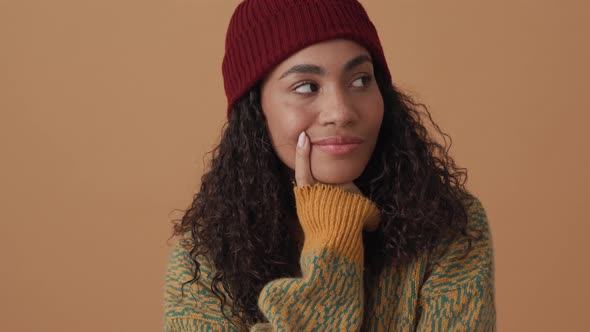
(285, 144)
(289, 149)
(294, 118)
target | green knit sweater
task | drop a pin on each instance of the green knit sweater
(455, 293)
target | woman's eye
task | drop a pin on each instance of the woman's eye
(307, 87)
(366, 78)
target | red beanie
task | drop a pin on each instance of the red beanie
(263, 33)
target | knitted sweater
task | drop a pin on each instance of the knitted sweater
(455, 293)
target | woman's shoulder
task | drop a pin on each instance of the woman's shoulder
(458, 290)
(476, 214)
(181, 263)
(463, 261)
(183, 298)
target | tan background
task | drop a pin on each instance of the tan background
(107, 109)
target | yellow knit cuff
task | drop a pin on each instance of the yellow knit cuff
(333, 217)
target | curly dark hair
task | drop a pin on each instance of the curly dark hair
(238, 218)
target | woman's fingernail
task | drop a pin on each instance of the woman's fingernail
(301, 140)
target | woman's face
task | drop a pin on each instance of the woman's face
(327, 89)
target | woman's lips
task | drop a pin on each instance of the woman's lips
(339, 144)
(337, 148)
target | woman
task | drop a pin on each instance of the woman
(327, 205)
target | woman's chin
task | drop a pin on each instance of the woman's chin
(331, 176)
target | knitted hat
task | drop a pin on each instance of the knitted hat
(263, 33)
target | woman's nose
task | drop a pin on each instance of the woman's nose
(338, 108)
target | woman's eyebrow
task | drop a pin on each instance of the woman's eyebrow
(314, 69)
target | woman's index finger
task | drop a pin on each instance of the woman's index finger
(302, 161)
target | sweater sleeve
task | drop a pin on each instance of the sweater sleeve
(329, 295)
(458, 293)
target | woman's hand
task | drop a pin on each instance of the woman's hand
(303, 174)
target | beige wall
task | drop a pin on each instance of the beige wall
(108, 107)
